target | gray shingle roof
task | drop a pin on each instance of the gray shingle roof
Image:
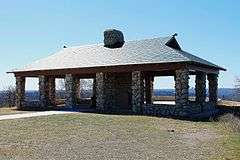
(133, 52)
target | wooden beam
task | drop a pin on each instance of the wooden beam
(161, 69)
(201, 68)
(90, 71)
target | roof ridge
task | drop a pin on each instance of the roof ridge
(130, 41)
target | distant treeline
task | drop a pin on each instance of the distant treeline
(223, 93)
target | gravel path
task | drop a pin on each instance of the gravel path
(32, 114)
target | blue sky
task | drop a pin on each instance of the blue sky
(30, 30)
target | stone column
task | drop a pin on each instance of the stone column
(100, 91)
(110, 97)
(137, 92)
(94, 93)
(77, 82)
(52, 90)
(20, 92)
(105, 91)
(213, 88)
(70, 91)
(44, 91)
(181, 87)
(149, 88)
(200, 87)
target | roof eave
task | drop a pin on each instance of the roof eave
(209, 66)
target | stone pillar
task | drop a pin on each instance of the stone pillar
(109, 81)
(44, 91)
(213, 88)
(181, 87)
(20, 92)
(77, 82)
(149, 88)
(70, 91)
(52, 90)
(100, 91)
(94, 93)
(137, 92)
(105, 91)
(200, 87)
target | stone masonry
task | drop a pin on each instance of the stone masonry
(44, 91)
(137, 92)
(52, 90)
(105, 91)
(113, 91)
(213, 87)
(109, 91)
(149, 88)
(123, 91)
(77, 83)
(181, 89)
(94, 93)
(200, 87)
(113, 38)
(100, 91)
(20, 92)
(70, 85)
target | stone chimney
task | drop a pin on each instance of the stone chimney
(113, 38)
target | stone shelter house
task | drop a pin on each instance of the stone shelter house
(123, 75)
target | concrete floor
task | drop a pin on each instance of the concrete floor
(33, 114)
(164, 102)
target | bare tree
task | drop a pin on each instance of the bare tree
(86, 86)
(60, 89)
(9, 96)
(61, 85)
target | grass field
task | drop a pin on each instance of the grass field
(99, 136)
(7, 110)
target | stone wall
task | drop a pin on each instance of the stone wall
(123, 91)
(20, 92)
(160, 110)
(137, 92)
(194, 110)
(109, 91)
(112, 91)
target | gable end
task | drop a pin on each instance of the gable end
(173, 44)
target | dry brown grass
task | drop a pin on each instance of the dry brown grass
(229, 103)
(230, 125)
(9, 110)
(169, 98)
(99, 136)
(230, 122)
